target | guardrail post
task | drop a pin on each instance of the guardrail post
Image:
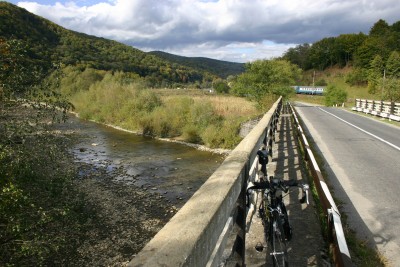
(270, 141)
(391, 107)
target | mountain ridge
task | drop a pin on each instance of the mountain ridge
(226, 68)
(50, 43)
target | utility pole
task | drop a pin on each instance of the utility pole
(383, 83)
(313, 79)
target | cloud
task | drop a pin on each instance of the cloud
(235, 30)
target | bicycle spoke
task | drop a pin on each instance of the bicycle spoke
(278, 247)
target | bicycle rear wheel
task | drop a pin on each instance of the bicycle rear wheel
(278, 250)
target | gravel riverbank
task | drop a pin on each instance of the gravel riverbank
(131, 198)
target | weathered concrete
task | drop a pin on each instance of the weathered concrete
(307, 245)
(191, 236)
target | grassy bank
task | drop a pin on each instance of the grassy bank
(193, 116)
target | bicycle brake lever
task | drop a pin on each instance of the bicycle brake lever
(304, 199)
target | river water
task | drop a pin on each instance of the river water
(173, 170)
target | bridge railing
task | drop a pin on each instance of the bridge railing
(336, 238)
(210, 228)
(384, 109)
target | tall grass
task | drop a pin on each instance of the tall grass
(188, 115)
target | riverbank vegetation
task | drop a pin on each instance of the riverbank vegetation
(194, 116)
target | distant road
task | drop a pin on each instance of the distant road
(362, 158)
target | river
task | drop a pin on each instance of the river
(131, 186)
(173, 170)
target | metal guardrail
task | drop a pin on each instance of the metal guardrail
(335, 233)
(389, 110)
(210, 228)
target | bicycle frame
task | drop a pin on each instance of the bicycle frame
(274, 221)
(273, 213)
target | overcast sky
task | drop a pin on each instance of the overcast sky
(232, 30)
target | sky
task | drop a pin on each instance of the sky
(231, 30)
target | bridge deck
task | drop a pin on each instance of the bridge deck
(307, 245)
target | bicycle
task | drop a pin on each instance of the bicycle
(273, 213)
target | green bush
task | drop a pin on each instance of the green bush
(321, 82)
(146, 100)
(225, 135)
(40, 211)
(335, 95)
(202, 114)
(211, 136)
(191, 134)
(147, 125)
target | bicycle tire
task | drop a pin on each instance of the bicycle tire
(278, 250)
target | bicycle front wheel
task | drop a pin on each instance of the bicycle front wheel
(278, 244)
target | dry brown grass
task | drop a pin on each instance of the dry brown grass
(225, 105)
(230, 106)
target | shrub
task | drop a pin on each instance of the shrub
(146, 100)
(334, 95)
(212, 137)
(191, 134)
(202, 114)
(321, 82)
(147, 126)
(225, 135)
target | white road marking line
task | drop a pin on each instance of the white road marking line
(362, 130)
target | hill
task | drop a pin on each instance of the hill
(356, 49)
(216, 67)
(50, 43)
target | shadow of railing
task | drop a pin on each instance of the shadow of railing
(210, 227)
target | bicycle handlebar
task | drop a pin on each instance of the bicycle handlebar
(281, 184)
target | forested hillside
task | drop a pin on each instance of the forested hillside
(358, 49)
(217, 67)
(49, 43)
(373, 58)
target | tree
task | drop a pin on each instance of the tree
(380, 28)
(371, 47)
(323, 53)
(299, 56)
(393, 65)
(347, 45)
(264, 77)
(220, 86)
(375, 74)
(391, 83)
(334, 95)
(17, 72)
(391, 89)
(32, 185)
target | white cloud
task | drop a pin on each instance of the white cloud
(235, 30)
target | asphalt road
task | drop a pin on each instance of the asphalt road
(362, 158)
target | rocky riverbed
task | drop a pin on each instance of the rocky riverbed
(132, 195)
